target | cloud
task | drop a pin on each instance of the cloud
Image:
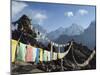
(17, 7)
(82, 11)
(39, 16)
(69, 14)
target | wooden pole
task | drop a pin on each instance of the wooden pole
(61, 62)
(51, 51)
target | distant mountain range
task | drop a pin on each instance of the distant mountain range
(73, 30)
(88, 37)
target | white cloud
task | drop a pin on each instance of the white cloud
(82, 11)
(17, 7)
(69, 14)
(39, 16)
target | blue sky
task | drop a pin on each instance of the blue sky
(53, 16)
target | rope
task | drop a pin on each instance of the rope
(85, 63)
(19, 38)
(62, 55)
(51, 52)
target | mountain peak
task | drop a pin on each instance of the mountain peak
(74, 25)
(74, 29)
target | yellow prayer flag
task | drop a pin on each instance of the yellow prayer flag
(41, 54)
(14, 44)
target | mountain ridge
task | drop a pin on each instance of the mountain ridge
(88, 37)
(72, 30)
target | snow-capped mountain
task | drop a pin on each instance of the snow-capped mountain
(73, 30)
